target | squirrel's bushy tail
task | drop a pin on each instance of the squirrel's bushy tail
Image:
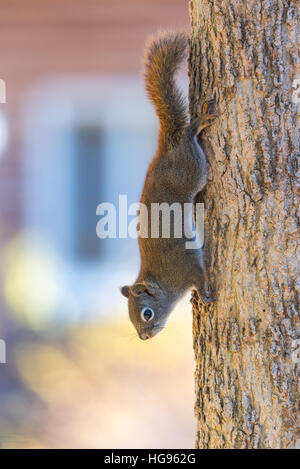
(164, 54)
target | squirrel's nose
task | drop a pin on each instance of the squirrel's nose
(144, 336)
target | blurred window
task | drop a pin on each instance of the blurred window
(88, 156)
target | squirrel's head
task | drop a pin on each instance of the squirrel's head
(149, 307)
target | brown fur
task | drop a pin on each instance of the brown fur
(176, 174)
(163, 56)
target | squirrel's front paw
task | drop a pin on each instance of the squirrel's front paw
(205, 297)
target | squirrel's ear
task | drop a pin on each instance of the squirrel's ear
(125, 291)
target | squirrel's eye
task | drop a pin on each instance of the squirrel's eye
(147, 314)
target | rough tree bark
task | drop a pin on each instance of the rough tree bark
(246, 54)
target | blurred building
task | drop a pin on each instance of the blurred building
(80, 131)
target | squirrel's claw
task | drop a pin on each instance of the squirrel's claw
(204, 298)
(207, 115)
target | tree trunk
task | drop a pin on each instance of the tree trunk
(245, 54)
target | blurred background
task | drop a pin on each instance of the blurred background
(77, 130)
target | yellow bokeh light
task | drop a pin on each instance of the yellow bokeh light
(31, 281)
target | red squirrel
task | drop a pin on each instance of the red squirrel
(177, 173)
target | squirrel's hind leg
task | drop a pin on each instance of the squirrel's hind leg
(196, 154)
(207, 116)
